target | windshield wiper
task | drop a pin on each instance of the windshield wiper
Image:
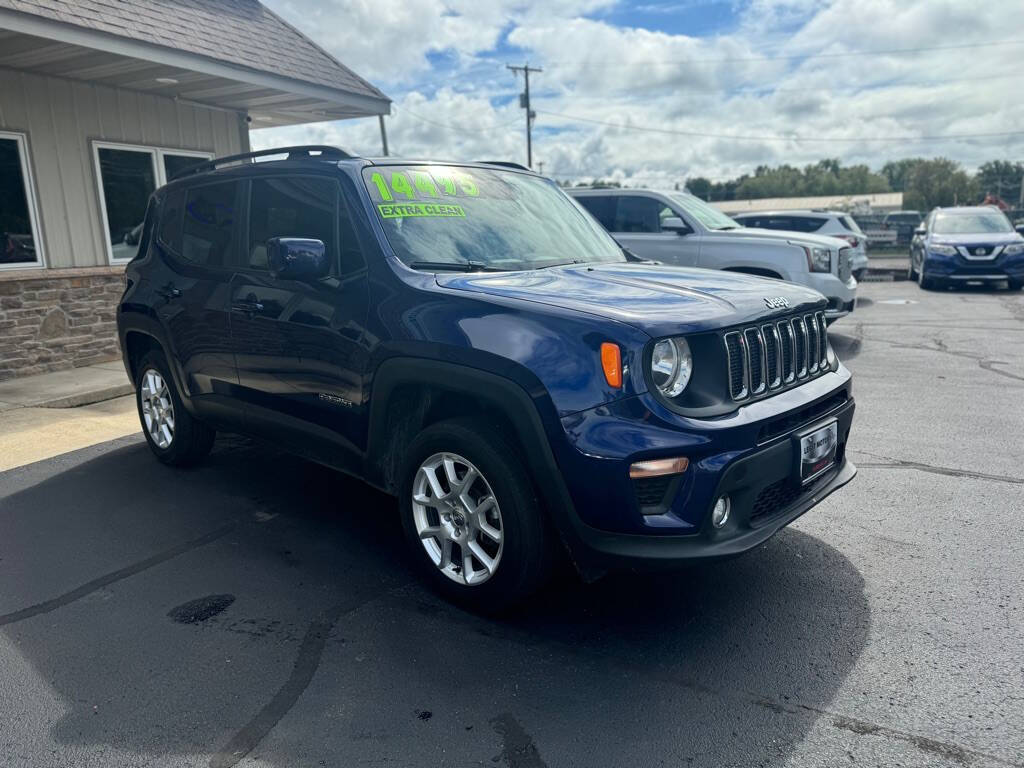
(562, 264)
(454, 266)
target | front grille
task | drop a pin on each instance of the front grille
(844, 264)
(767, 357)
(775, 498)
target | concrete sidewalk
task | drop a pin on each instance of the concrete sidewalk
(66, 389)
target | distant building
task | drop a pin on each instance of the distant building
(878, 203)
(100, 104)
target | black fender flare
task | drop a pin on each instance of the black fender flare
(141, 322)
(496, 391)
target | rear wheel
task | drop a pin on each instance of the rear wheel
(472, 518)
(174, 436)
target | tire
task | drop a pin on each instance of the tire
(174, 435)
(926, 283)
(523, 558)
(1015, 285)
(911, 272)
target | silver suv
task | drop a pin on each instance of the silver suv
(822, 222)
(678, 228)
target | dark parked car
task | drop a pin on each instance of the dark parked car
(904, 222)
(467, 338)
(975, 244)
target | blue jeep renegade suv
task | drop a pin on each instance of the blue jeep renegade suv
(467, 338)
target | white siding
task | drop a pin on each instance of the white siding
(60, 118)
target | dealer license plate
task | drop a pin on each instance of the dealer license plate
(816, 451)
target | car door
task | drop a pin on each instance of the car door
(299, 346)
(197, 238)
(638, 225)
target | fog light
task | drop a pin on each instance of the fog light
(720, 514)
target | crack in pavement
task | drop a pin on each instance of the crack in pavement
(131, 570)
(306, 664)
(791, 707)
(983, 362)
(892, 463)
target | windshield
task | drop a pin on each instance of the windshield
(982, 222)
(483, 219)
(903, 218)
(712, 218)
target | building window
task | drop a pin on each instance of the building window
(20, 245)
(127, 176)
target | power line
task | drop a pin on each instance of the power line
(734, 137)
(461, 129)
(791, 56)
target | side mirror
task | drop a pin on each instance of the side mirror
(920, 232)
(674, 224)
(296, 258)
(1020, 229)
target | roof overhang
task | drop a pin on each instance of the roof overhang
(44, 46)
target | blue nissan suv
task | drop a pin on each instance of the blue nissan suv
(466, 337)
(969, 244)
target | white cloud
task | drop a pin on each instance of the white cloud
(727, 85)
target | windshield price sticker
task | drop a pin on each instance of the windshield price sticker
(424, 185)
(403, 210)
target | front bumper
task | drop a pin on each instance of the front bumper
(748, 456)
(957, 269)
(841, 294)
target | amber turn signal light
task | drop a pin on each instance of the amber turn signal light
(611, 362)
(658, 467)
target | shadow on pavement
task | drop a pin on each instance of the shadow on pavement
(726, 664)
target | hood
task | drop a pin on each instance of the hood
(979, 238)
(660, 300)
(823, 241)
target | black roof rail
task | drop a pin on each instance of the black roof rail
(506, 164)
(293, 153)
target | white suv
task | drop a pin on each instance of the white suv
(678, 228)
(821, 222)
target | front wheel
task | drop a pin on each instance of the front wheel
(472, 518)
(1015, 285)
(926, 283)
(911, 272)
(174, 436)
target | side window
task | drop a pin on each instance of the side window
(601, 208)
(170, 220)
(291, 206)
(638, 214)
(808, 223)
(208, 228)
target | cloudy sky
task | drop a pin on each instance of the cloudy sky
(654, 91)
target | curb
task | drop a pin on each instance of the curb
(86, 398)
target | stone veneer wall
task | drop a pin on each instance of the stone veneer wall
(55, 319)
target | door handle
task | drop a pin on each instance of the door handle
(249, 306)
(168, 292)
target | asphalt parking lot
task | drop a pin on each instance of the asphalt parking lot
(259, 611)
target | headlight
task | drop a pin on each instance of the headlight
(942, 250)
(1014, 250)
(819, 259)
(671, 366)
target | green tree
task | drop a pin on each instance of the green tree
(1002, 178)
(938, 182)
(897, 171)
(700, 187)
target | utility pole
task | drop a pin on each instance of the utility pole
(540, 166)
(524, 102)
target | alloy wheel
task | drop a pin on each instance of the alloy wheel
(157, 408)
(457, 518)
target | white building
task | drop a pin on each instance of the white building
(101, 103)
